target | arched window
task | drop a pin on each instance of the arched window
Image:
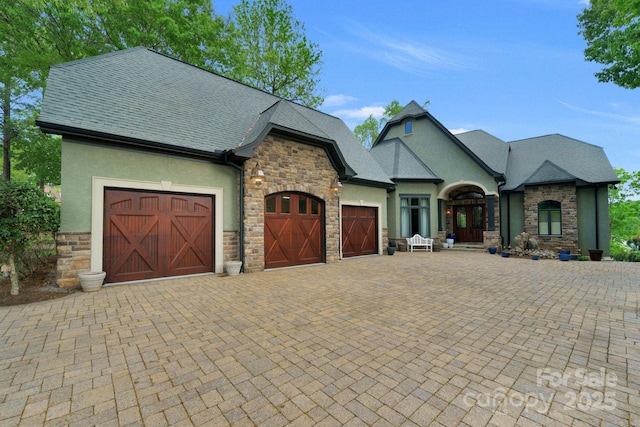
(408, 128)
(549, 218)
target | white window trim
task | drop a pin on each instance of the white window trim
(97, 212)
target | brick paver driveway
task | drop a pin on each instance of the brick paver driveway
(414, 339)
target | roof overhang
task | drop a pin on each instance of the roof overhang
(336, 158)
(123, 141)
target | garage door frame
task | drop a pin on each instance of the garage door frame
(97, 213)
(362, 203)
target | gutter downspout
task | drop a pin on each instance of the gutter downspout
(597, 219)
(240, 208)
(500, 184)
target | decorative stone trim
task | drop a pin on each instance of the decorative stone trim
(288, 167)
(566, 195)
(230, 244)
(74, 256)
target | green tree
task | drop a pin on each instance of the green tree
(624, 211)
(25, 213)
(35, 34)
(272, 52)
(370, 129)
(38, 154)
(611, 29)
(264, 47)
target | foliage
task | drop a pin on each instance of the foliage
(624, 213)
(264, 47)
(611, 29)
(628, 187)
(370, 129)
(38, 154)
(25, 214)
(272, 53)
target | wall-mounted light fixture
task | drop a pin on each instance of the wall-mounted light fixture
(257, 175)
(448, 211)
(336, 186)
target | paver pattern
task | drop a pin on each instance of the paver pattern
(443, 338)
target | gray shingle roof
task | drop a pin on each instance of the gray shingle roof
(138, 95)
(493, 151)
(556, 158)
(400, 162)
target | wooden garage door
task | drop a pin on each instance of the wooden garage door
(149, 235)
(293, 230)
(359, 231)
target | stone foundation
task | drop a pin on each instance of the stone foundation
(74, 256)
(231, 246)
(491, 239)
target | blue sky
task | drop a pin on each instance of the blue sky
(514, 68)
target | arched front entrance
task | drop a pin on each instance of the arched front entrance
(293, 230)
(468, 219)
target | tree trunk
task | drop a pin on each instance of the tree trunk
(7, 132)
(15, 286)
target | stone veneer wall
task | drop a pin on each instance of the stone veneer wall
(288, 167)
(74, 256)
(566, 195)
(230, 244)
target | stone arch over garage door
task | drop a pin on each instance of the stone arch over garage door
(289, 167)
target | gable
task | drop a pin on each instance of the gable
(556, 158)
(435, 145)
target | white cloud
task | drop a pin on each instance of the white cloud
(406, 55)
(626, 117)
(338, 100)
(362, 113)
(458, 130)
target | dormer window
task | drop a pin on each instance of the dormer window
(408, 128)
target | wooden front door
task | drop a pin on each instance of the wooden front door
(293, 230)
(469, 221)
(359, 231)
(149, 235)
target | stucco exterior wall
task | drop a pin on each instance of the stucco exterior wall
(82, 161)
(512, 217)
(447, 160)
(79, 241)
(589, 222)
(406, 188)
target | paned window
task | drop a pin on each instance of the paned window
(414, 216)
(549, 218)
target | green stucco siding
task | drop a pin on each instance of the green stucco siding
(366, 195)
(446, 159)
(81, 162)
(421, 189)
(512, 217)
(586, 200)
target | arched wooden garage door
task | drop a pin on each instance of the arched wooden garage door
(359, 231)
(293, 230)
(149, 235)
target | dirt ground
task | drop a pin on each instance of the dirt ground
(41, 286)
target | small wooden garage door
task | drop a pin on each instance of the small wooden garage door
(149, 235)
(359, 231)
(293, 230)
